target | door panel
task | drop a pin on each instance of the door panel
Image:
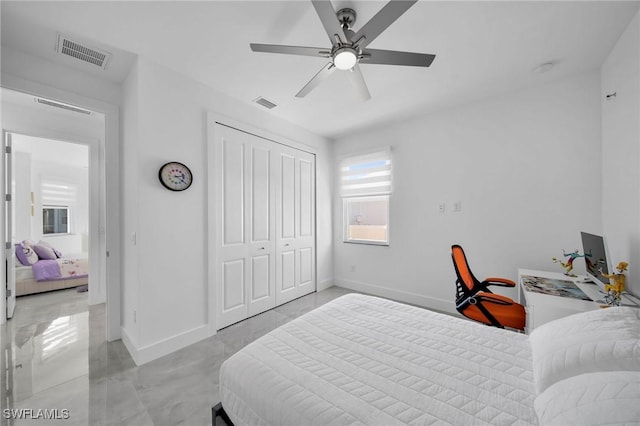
(306, 266)
(260, 277)
(287, 193)
(261, 182)
(306, 198)
(260, 217)
(288, 268)
(233, 191)
(296, 212)
(233, 284)
(262, 292)
(244, 166)
(306, 237)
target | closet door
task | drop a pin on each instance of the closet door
(295, 227)
(245, 226)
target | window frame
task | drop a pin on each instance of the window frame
(68, 224)
(346, 224)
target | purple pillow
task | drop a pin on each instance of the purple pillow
(47, 245)
(25, 254)
(44, 252)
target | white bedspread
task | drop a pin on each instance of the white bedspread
(366, 360)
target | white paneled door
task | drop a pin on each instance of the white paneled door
(295, 215)
(265, 224)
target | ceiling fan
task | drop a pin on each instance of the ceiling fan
(349, 48)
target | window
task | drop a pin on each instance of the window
(55, 220)
(58, 200)
(366, 189)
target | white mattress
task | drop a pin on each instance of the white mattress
(366, 360)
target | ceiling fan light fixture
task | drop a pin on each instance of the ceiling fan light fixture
(345, 58)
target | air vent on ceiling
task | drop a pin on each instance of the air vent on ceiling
(84, 53)
(265, 103)
(63, 106)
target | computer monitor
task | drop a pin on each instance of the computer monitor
(596, 256)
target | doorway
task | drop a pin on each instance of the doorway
(40, 128)
(50, 217)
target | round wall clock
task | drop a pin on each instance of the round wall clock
(175, 176)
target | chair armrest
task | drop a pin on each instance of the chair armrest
(502, 282)
(493, 298)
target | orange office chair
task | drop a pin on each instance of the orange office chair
(474, 300)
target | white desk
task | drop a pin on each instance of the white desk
(542, 308)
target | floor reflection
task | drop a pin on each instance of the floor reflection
(55, 357)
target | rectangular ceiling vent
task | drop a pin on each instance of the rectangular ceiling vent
(77, 50)
(265, 103)
(63, 106)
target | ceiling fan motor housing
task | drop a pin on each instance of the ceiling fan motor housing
(346, 17)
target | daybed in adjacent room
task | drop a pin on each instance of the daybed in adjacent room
(41, 268)
(370, 361)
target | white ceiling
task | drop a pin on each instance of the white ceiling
(63, 154)
(482, 48)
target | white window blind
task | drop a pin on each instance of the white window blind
(56, 193)
(364, 175)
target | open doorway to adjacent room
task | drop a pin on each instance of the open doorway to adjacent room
(54, 212)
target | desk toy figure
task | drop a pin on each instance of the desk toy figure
(568, 265)
(614, 290)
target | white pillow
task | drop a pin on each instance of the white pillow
(604, 398)
(599, 340)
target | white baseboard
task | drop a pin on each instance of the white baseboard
(434, 303)
(164, 347)
(325, 284)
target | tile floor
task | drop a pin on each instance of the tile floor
(55, 356)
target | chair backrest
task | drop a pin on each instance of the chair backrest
(467, 283)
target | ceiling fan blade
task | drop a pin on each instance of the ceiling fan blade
(385, 17)
(290, 50)
(329, 20)
(392, 57)
(357, 79)
(325, 72)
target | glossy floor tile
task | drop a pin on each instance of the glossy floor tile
(56, 363)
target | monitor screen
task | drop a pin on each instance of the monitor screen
(596, 257)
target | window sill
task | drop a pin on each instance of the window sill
(367, 242)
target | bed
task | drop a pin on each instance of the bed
(41, 268)
(363, 360)
(26, 282)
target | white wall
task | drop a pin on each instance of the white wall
(621, 152)
(165, 119)
(79, 223)
(525, 167)
(129, 206)
(54, 75)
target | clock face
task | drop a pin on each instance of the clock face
(175, 176)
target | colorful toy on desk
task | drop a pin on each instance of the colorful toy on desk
(615, 290)
(568, 265)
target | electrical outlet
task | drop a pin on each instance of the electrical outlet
(442, 207)
(457, 206)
